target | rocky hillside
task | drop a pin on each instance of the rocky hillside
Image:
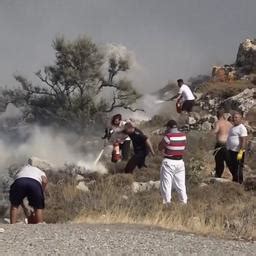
(244, 66)
(107, 195)
(232, 87)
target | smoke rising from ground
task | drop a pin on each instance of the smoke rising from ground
(57, 148)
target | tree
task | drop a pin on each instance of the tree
(73, 89)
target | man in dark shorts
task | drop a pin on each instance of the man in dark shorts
(141, 146)
(185, 97)
(30, 183)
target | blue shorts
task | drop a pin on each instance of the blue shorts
(30, 188)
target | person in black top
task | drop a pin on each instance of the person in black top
(141, 146)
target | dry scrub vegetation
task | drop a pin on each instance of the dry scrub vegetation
(225, 210)
(226, 89)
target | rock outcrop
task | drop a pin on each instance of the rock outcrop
(251, 117)
(244, 66)
(204, 122)
(224, 73)
(246, 56)
(243, 101)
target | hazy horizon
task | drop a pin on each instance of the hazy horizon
(171, 39)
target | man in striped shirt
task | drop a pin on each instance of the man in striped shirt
(172, 173)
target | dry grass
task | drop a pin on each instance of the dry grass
(225, 210)
(220, 209)
(225, 90)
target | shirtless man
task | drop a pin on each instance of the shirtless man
(222, 127)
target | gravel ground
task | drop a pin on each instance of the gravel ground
(74, 239)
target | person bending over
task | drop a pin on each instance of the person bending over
(141, 146)
(30, 182)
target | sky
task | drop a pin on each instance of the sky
(170, 38)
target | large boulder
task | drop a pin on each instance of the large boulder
(244, 66)
(243, 101)
(224, 73)
(218, 74)
(251, 117)
(246, 56)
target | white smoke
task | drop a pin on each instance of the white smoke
(58, 148)
(119, 51)
(11, 112)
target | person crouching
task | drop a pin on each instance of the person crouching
(30, 182)
(172, 172)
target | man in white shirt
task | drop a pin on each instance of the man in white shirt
(236, 145)
(29, 182)
(185, 97)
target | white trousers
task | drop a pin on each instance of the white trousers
(172, 176)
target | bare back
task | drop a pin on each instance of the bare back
(221, 130)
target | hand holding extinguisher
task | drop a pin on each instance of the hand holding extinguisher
(178, 106)
(116, 153)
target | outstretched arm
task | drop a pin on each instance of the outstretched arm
(175, 97)
(150, 147)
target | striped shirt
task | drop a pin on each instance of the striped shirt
(175, 143)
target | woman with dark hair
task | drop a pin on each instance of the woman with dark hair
(116, 135)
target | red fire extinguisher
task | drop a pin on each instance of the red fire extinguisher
(116, 153)
(178, 106)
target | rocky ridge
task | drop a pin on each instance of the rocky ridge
(244, 66)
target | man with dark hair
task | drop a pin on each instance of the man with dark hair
(30, 182)
(185, 96)
(141, 146)
(172, 173)
(236, 145)
(221, 130)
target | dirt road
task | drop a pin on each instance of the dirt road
(74, 239)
